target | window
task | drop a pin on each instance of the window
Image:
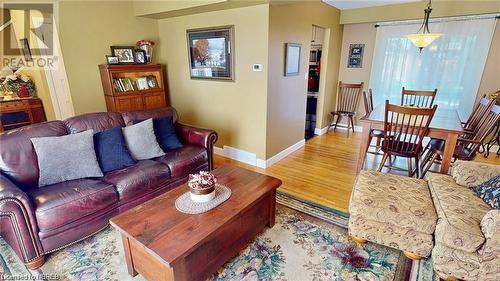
(453, 63)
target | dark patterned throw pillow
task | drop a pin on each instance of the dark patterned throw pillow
(489, 191)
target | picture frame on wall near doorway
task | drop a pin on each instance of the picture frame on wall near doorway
(292, 59)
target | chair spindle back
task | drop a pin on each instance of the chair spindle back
(348, 97)
(418, 98)
(478, 113)
(368, 101)
(484, 127)
(405, 128)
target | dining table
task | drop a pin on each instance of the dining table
(445, 125)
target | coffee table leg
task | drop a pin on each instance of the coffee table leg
(128, 256)
(272, 208)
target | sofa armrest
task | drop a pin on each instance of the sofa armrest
(489, 254)
(198, 136)
(490, 224)
(471, 174)
(18, 222)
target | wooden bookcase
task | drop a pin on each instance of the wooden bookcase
(121, 99)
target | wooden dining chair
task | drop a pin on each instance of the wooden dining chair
(477, 114)
(467, 145)
(347, 104)
(374, 133)
(418, 98)
(404, 129)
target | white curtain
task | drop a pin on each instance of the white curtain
(453, 63)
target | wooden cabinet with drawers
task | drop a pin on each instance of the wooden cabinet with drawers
(20, 112)
(147, 88)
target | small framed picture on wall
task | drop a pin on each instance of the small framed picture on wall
(355, 59)
(292, 59)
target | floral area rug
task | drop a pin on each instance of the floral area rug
(299, 247)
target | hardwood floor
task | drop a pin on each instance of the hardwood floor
(324, 170)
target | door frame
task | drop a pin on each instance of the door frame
(56, 77)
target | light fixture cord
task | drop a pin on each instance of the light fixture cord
(425, 23)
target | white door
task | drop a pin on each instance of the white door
(57, 80)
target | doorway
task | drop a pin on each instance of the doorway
(313, 81)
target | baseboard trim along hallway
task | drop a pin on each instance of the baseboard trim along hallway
(251, 158)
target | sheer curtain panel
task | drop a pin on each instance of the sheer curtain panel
(453, 63)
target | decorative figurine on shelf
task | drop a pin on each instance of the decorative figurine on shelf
(20, 84)
(202, 186)
(147, 46)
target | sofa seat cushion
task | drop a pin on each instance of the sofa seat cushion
(185, 160)
(404, 239)
(396, 200)
(459, 212)
(62, 203)
(457, 263)
(134, 181)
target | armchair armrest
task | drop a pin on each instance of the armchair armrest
(471, 174)
(20, 229)
(490, 224)
(198, 136)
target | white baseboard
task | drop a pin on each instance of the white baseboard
(340, 126)
(251, 158)
(284, 153)
(240, 155)
(321, 131)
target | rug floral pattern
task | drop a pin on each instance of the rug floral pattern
(298, 247)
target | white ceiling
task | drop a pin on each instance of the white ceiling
(353, 4)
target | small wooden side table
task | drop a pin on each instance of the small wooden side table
(20, 112)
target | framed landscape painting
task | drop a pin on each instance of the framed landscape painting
(211, 53)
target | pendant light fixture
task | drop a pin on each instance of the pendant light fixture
(424, 39)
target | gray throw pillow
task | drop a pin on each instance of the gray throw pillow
(66, 158)
(141, 140)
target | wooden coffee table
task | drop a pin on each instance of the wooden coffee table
(162, 243)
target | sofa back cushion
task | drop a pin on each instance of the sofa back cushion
(97, 122)
(130, 117)
(472, 174)
(141, 140)
(17, 155)
(66, 158)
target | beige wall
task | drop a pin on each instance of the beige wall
(358, 34)
(415, 10)
(286, 100)
(86, 30)
(490, 82)
(236, 110)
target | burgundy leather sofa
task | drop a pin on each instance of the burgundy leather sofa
(37, 221)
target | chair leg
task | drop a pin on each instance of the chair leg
(352, 123)
(417, 167)
(348, 125)
(379, 141)
(339, 117)
(410, 168)
(368, 146)
(429, 163)
(384, 158)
